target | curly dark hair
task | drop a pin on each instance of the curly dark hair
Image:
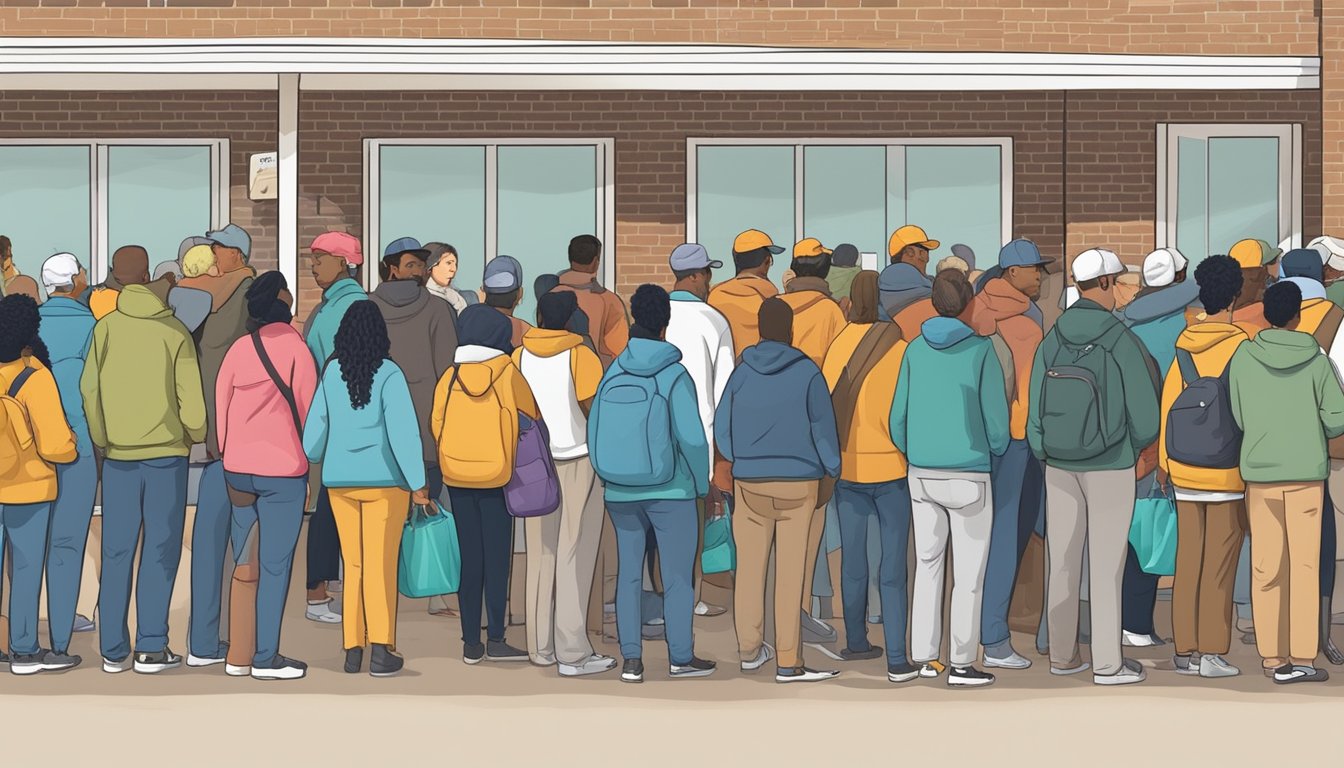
(19, 326)
(1283, 302)
(1220, 281)
(651, 310)
(361, 347)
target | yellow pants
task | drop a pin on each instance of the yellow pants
(369, 522)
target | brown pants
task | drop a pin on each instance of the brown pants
(782, 513)
(1208, 542)
(1285, 563)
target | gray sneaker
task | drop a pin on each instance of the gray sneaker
(83, 624)
(498, 650)
(155, 662)
(1130, 672)
(1186, 665)
(817, 631)
(55, 661)
(1212, 665)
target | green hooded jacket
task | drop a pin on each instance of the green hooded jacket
(840, 279)
(1287, 400)
(142, 382)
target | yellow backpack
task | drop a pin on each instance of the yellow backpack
(16, 431)
(480, 455)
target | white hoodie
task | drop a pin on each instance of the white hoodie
(705, 340)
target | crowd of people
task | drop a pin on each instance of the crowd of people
(888, 414)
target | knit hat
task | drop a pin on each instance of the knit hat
(484, 326)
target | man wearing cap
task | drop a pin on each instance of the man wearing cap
(1332, 254)
(130, 266)
(503, 287)
(608, 323)
(336, 257)
(1089, 364)
(1002, 311)
(904, 287)
(844, 268)
(739, 299)
(1258, 260)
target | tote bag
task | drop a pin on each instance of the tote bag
(720, 553)
(1153, 532)
(431, 558)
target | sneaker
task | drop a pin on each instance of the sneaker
(803, 675)
(595, 664)
(26, 663)
(931, 669)
(1130, 672)
(765, 654)
(969, 676)
(1134, 640)
(1013, 660)
(113, 667)
(4, 658)
(354, 660)
(1186, 665)
(219, 657)
(322, 613)
(872, 652)
(156, 662)
(279, 668)
(1213, 665)
(55, 661)
(874, 619)
(697, 667)
(386, 663)
(632, 671)
(498, 650)
(902, 673)
(705, 609)
(1074, 668)
(473, 654)
(83, 624)
(233, 670)
(1299, 673)
(817, 631)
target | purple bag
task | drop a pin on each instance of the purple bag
(534, 489)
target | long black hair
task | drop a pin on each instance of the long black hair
(361, 347)
(19, 325)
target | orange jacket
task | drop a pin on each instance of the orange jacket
(739, 299)
(817, 319)
(608, 324)
(1000, 308)
(33, 479)
(867, 454)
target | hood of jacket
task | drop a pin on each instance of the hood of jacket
(1283, 350)
(801, 284)
(1202, 337)
(479, 367)
(996, 302)
(66, 325)
(221, 288)
(771, 357)
(546, 343)
(139, 301)
(573, 278)
(647, 357)
(746, 287)
(841, 279)
(944, 332)
(901, 285)
(1159, 303)
(341, 289)
(401, 300)
(1085, 322)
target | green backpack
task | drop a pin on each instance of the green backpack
(1082, 398)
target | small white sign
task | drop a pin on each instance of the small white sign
(868, 261)
(262, 178)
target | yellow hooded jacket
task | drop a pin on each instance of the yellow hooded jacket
(1212, 345)
(739, 300)
(478, 416)
(33, 480)
(867, 455)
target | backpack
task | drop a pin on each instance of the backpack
(1082, 398)
(486, 459)
(534, 489)
(16, 431)
(630, 436)
(1201, 431)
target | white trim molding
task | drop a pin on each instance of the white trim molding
(417, 64)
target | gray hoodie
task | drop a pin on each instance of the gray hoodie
(423, 330)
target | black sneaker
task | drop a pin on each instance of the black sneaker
(156, 662)
(498, 650)
(872, 652)
(354, 660)
(4, 657)
(969, 676)
(26, 663)
(902, 673)
(279, 668)
(698, 667)
(632, 671)
(473, 654)
(384, 662)
(58, 661)
(1299, 673)
(803, 675)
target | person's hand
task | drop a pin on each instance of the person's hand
(1162, 477)
(1147, 462)
(713, 502)
(421, 497)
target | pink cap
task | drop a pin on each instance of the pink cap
(340, 244)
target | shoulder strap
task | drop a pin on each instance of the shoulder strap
(1329, 327)
(1186, 361)
(20, 380)
(285, 390)
(876, 342)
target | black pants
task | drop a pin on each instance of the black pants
(1328, 553)
(485, 534)
(1138, 597)
(324, 545)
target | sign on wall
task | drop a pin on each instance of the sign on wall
(262, 179)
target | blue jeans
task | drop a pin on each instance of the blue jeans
(673, 524)
(26, 531)
(209, 545)
(149, 495)
(1018, 483)
(856, 504)
(66, 538)
(278, 516)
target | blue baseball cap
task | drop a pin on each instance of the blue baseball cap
(406, 245)
(691, 256)
(232, 236)
(503, 274)
(1021, 253)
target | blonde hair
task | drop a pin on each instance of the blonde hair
(953, 262)
(198, 260)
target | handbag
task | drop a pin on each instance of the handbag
(534, 488)
(720, 552)
(430, 562)
(1153, 531)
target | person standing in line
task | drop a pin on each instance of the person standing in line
(190, 305)
(904, 285)
(336, 258)
(503, 286)
(34, 439)
(263, 392)
(739, 299)
(442, 264)
(844, 268)
(607, 320)
(784, 470)
(130, 266)
(1259, 263)
(362, 430)
(145, 408)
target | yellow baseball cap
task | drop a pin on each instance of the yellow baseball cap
(809, 246)
(753, 239)
(909, 235)
(1254, 253)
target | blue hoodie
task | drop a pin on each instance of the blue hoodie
(660, 361)
(377, 446)
(899, 286)
(320, 330)
(67, 330)
(1157, 317)
(775, 420)
(950, 411)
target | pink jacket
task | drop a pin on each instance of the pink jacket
(255, 427)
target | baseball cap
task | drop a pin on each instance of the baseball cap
(1160, 267)
(1094, 263)
(232, 236)
(691, 256)
(167, 267)
(909, 235)
(1254, 253)
(1331, 250)
(189, 243)
(502, 275)
(753, 239)
(1020, 253)
(59, 270)
(1302, 262)
(340, 244)
(965, 253)
(845, 255)
(406, 245)
(809, 247)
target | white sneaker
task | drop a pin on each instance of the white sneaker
(208, 661)
(1013, 661)
(762, 656)
(593, 665)
(804, 675)
(1082, 666)
(113, 667)
(1130, 672)
(235, 671)
(1133, 640)
(322, 613)
(705, 609)
(1213, 665)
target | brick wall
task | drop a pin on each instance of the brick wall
(247, 119)
(1259, 27)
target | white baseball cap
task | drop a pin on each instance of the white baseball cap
(1160, 267)
(60, 270)
(1331, 250)
(1094, 263)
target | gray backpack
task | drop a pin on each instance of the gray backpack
(1201, 431)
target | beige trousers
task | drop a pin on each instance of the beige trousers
(778, 512)
(1285, 523)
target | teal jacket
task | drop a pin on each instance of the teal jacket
(67, 330)
(377, 446)
(320, 330)
(950, 411)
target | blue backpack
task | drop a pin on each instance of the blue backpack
(630, 432)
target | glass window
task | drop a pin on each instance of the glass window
(435, 194)
(844, 190)
(1192, 204)
(157, 195)
(44, 203)
(1243, 190)
(742, 187)
(953, 193)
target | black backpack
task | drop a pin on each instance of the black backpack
(1201, 431)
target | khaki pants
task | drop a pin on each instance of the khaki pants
(1285, 570)
(814, 534)
(1208, 543)
(781, 512)
(561, 558)
(369, 522)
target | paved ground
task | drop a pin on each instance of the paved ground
(444, 711)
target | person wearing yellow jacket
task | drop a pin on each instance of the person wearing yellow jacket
(739, 299)
(27, 477)
(861, 370)
(1210, 503)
